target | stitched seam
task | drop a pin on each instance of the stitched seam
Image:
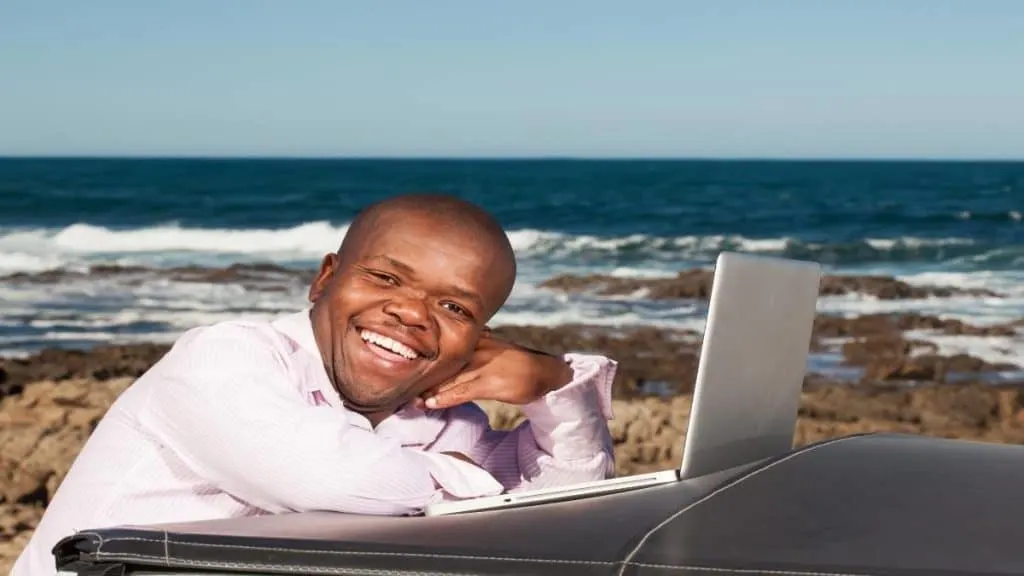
(629, 557)
(98, 536)
(280, 567)
(748, 570)
(167, 548)
(99, 553)
(341, 553)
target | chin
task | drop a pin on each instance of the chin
(368, 397)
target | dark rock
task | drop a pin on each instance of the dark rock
(645, 355)
(883, 347)
(696, 284)
(256, 276)
(99, 363)
(930, 367)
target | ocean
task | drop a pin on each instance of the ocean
(950, 223)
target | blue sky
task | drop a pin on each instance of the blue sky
(671, 78)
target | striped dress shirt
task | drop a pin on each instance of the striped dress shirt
(240, 419)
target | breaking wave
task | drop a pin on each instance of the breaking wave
(35, 249)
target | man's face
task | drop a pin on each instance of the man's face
(404, 309)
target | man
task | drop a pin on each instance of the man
(360, 403)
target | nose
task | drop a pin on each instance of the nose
(410, 311)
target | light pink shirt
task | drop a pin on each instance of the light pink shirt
(239, 418)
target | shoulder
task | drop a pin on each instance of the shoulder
(244, 345)
(229, 363)
(234, 334)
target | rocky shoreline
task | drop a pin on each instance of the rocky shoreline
(891, 380)
(873, 346)
(696, 284)
(43, 427)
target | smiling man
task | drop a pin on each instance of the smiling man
(361, 403)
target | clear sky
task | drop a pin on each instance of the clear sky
(597, 78)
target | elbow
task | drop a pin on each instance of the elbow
(380, 492)
(364, 500)
(401, 496)
(389, 489)
(384, 506)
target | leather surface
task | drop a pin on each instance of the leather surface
(888, 505)
(893, 505)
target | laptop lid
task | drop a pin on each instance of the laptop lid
(752, 361)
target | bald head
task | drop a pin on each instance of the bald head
(427, 271)
(442, 213)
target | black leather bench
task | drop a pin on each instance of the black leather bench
(877, 504)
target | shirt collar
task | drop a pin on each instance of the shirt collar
(410, 424)
(299, 327)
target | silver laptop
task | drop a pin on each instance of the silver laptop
(752, 364)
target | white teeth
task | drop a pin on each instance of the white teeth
(389, 343)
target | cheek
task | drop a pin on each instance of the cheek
(459, 342)
(350, 294)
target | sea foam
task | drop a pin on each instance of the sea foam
(151, 306)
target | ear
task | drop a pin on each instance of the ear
(323, 277)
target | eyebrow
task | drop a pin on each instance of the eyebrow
(396, 264)
(457, 291)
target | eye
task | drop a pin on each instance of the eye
(383, 277)
(452, 306)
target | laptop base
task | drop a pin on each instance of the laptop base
(556, 494)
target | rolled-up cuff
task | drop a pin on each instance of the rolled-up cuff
(571, 423)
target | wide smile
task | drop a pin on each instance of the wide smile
(387, 354)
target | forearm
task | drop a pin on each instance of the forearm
(312, 465)
(565, 439)
(239, 426)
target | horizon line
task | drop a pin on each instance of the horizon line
(512, 158)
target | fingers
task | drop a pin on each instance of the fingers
(459, 380)
(421, 400)
(459, 391)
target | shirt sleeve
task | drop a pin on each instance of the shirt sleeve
(564, 440)
(224, 404)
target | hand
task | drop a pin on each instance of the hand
(501, 371)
